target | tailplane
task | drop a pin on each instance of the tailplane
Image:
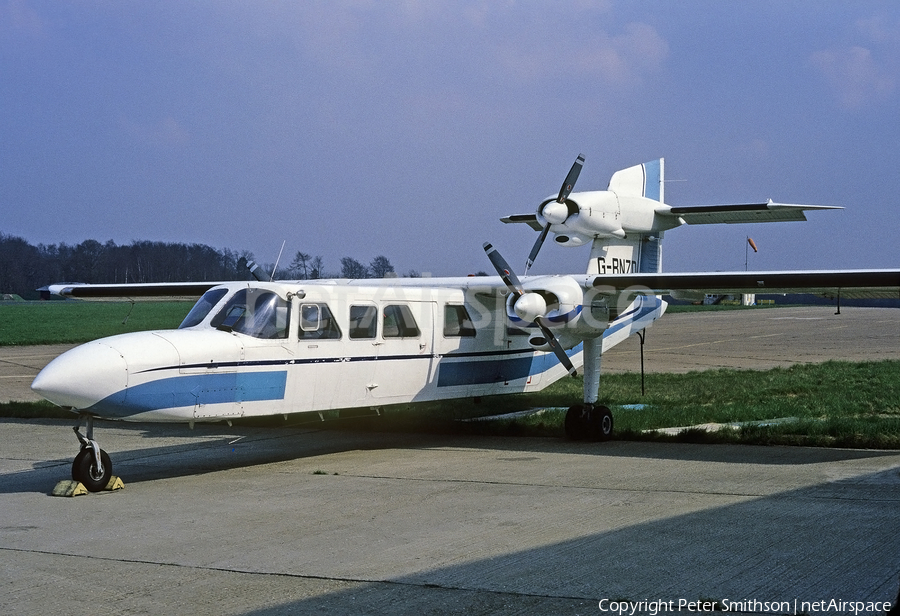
(625, 223)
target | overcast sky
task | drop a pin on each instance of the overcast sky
(407, 129)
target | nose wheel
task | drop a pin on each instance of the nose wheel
(92, 466)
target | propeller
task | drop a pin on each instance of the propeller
(512, 282)
(254, 268)
(553, 216)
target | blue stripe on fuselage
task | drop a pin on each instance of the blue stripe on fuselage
(496, 369)
(482, 372)
(189, 390)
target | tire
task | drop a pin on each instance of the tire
(601, 423)
(575, 424)
(84, 470)
(77, 463)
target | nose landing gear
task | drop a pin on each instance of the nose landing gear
(92, 466)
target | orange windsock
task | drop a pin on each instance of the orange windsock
(752, 244)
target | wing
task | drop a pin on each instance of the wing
(741, 213)
(136, 291)
(846, 283)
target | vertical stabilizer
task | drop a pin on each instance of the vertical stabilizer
(644, 180)
(636, 253)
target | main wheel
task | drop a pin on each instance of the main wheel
(576, 423)
(601, 424)
(84, 469)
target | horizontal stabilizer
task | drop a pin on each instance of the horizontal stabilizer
(741, 213)
(529, 219)
(849, 283)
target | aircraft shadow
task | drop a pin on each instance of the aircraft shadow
(212, 448)
(206, 449)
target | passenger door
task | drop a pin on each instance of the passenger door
(405, 356)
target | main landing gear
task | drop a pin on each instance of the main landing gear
(587, 422)
(92, 466)
(590, 421)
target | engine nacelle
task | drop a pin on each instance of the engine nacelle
(564, 307)
(557, 299)
(586, 216)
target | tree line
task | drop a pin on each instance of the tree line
(25, 267)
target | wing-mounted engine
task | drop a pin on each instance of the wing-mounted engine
(583, 217)
(564, 308)
(629, 205)
(557, 299)
(632, 204)
(534, 306)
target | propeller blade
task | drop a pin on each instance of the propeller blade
(564, 192)
(557, 349)
(509, 277)
(512, 282)
(256, 270)
(570, 180)
(536, 248)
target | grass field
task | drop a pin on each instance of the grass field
(832, 404)
(58, 322)
(835, 404)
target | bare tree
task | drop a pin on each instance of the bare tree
(300, 265)
(380, 267)
(315, 268)
(351, 268)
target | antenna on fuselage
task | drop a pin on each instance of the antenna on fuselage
(275, 269)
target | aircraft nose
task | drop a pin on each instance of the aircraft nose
(83, 376)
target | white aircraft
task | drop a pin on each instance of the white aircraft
(250, 349)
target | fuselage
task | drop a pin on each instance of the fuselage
(253, 349)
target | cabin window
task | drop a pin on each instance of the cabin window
(202, 308)
(363, 322)
(254, 312)
(317, 323)
(399, 322)
(457, 322)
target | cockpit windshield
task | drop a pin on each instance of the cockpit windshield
(254, 312)
(202, 307)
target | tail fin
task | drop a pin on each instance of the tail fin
(641, 253)
(644, 180)
(636, 254)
